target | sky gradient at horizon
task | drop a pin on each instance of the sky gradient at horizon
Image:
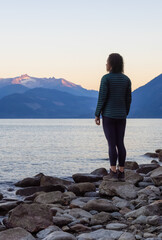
(72, 39)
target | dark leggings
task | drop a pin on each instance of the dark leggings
(114, 130)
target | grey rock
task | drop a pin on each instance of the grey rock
(32, 217)
(49, 180)
(131, 165)
(122, 189)
(127, 236)
(154, 220)
(82, 188)
(55, 197)
(91, 194)
(100, 205)
(96, 227)
(150, 191)
(154, 208)
(101, 234)
(132, 177)
(116, 215)
(100, 218)
(145, 184)
(80, 202)
(146, 168)
(151, 155)
(59, 235)
(31, 190)
(147, 179)
(148, 235)
(85, 177)
(116, 226)
(158, 150)
(7, 206)
(61, 220)
(44, 233)
(160, 156)
(154, 161)
(78, 228)
(16, 234)
(78, 213)
(100, 171)
(140, 220)
(160, 235)
(30, 181)
(156, 176)
(1, 196)
(120, 202)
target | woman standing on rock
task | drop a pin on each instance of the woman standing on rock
(113, 104)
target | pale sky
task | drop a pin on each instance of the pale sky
(72, 39)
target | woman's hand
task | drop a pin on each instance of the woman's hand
(97, 120)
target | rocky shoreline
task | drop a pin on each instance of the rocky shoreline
(88, 206)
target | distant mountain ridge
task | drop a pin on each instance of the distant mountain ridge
(46, 103)
(50, 83)
(57, 98)
(147, 100)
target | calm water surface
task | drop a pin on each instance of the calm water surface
(62, 147)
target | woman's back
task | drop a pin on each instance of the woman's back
(115, 92)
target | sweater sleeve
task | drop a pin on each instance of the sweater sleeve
(128, 97)
(103, 93)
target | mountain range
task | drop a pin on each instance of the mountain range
(49, 83)
(147, 100)
(31, 97)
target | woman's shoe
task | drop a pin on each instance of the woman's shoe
(121, 176)
(112, 176)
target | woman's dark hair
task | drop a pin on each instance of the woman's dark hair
(115, 60)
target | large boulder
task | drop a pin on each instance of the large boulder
(131, 165)
(146, 168)
(156, 176)
(86, 177)
(16, 234)
(31, 190)
(30, 181)
(55, 197)
(132, 177)
(81, 188)
(32, 217)
(49, 180)
(100, 205)
(122, 189)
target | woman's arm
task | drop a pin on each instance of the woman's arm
(128, 97)
(103, 93)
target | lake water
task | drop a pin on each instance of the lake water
(62, 147)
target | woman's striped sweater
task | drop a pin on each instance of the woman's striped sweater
(114, 96)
